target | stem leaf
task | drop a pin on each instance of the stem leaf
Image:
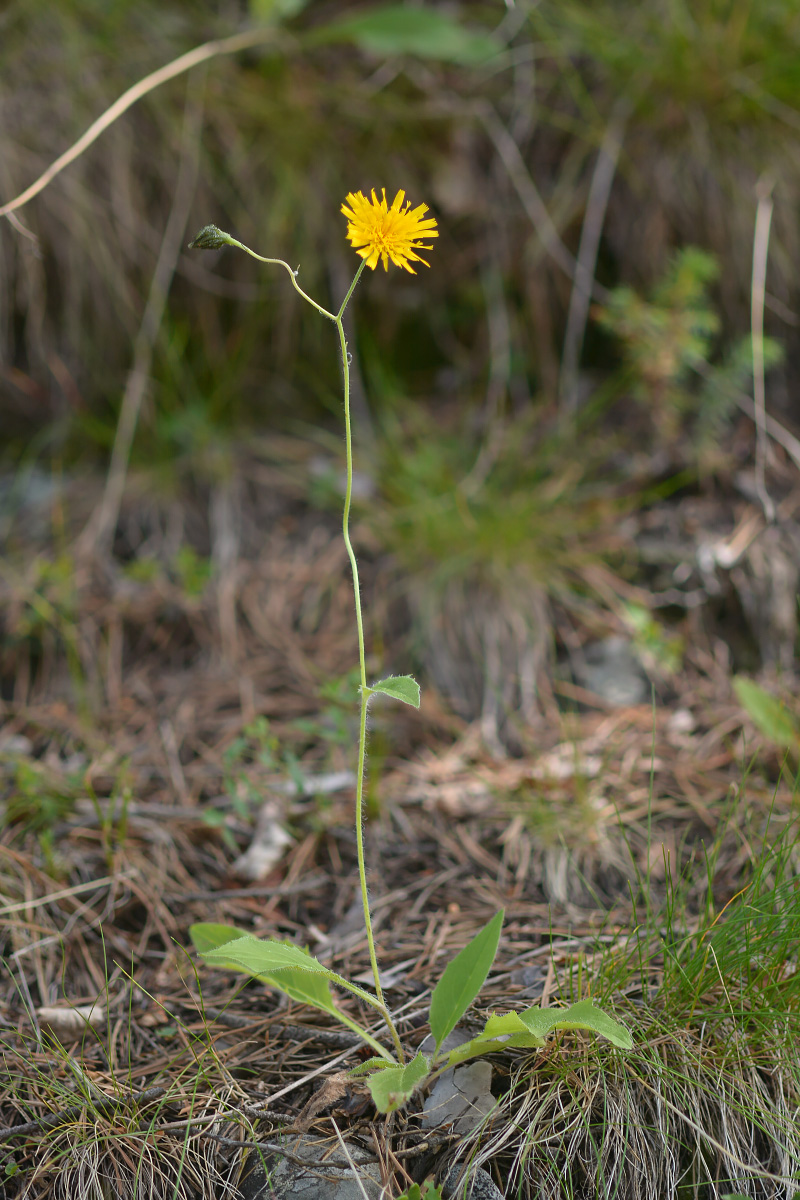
(394, 1086)
(399, 687)
(463, 978)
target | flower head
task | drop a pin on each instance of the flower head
(210, 238)
(378, 232)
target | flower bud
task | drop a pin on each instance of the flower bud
(210, 238)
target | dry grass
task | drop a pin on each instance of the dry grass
(621, 820)
(619, 843)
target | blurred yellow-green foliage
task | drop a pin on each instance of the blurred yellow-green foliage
(466, 106)
(594, 167)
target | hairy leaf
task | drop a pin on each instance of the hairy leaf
(399, 687)
(393, 1087)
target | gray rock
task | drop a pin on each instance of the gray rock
(612, 670)
(476, 1184)
(461, 1098)
(289, 1180)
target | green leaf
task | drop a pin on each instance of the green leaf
(767, 712)
(300, 985)
(583, 1015)
(305, 981)
(463, 978)
(512, 1030)
(393, 1087)
(428, 1191)
(208, 936)
(267, 957)
(372, 1064)
(400, 687)
(527, 1030)
(410, 29)
(269, 11)
(478, 1046)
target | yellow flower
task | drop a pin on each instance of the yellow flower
(376, 231)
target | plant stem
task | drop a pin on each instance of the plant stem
(225, 238)
(278, 262)
(362, 731)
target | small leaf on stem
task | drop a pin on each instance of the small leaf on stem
(399, 687)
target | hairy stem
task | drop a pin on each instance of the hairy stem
(362, 731)
(212, 238)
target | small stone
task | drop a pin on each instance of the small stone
(462, 1098)
(611, 669)
(289, 1180)
(470, 1184)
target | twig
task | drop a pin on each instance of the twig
(65, 893)
(757, 291)
(311, 884)
(193, 58)
(583, 279)
(293, 1033)
(100, 528)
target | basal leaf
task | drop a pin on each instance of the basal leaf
(428, 1191)
(305, 981)
(393, 1087)
(400, 687)
(267, 958)
(583, 1015)
(477, 1047)
(206, 935)
(262, 956)
(463, 978)
(303, 986)
(503, 1025)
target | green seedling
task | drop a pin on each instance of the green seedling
(428, 1191)
(379, 233)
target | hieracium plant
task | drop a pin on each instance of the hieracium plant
(384, 233)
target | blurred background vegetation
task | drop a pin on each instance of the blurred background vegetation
(576, 358)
